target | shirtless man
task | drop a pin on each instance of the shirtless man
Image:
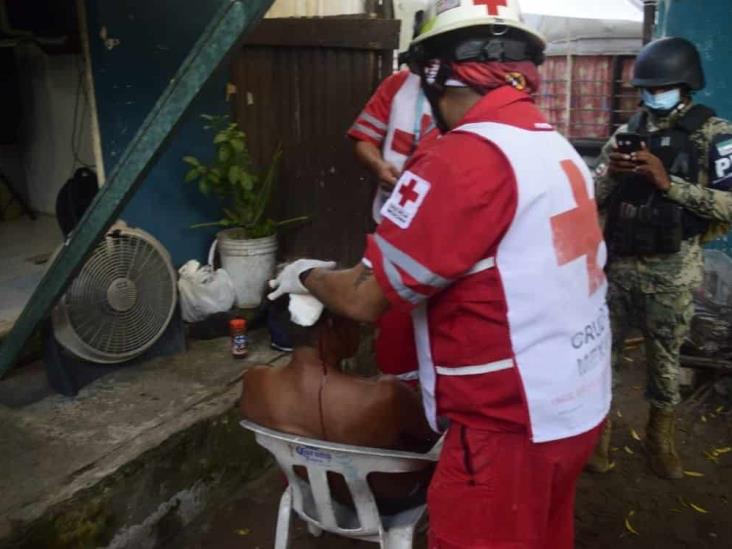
(311, 397)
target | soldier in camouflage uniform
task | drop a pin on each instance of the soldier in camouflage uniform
(659, 205)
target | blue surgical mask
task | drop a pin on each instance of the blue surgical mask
(664, 101)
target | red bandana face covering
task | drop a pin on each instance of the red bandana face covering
(522, 75)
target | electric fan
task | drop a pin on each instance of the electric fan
(121, 301)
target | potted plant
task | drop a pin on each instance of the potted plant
(248, 243)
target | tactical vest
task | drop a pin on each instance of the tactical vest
(641, 220)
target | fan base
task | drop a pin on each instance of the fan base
(67, 374)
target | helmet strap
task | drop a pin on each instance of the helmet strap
(433, 88)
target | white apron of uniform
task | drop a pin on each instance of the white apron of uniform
(557, 314)
(407, 109)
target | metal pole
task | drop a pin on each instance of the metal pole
(221, 35)
(90, 91)
(649, 19)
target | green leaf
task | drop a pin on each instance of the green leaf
(192, 175)
(219, 223)
(248, 181)
(192, 160)
(221, 137)
(224, 153)
(234, 174)
(292, 221)
(265, 191)
(231, 214)
(237, 145)
(262, 229)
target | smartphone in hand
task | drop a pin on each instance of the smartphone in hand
(629, 142)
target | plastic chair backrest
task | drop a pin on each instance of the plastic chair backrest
(312, 498)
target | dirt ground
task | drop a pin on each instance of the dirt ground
(693, 512)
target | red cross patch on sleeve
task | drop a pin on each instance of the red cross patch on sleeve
(404, 202)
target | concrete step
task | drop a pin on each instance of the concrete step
(133, 458)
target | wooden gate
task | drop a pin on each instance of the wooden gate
(300, 83)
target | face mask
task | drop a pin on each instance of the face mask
(664, 101)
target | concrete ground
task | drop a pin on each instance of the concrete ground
(249, 523)
(25, 246)
(131, 459)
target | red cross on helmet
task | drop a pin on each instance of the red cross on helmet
(444, 16)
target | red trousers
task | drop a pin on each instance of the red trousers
(395, 351)
(495, 490)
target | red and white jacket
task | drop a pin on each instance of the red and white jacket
(394, 119)
(491, 239)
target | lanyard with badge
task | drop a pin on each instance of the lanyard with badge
(419, 113)
(419, 109)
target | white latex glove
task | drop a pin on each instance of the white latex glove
(288, 281)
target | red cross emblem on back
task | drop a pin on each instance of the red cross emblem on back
(576, 233)
(491, 5)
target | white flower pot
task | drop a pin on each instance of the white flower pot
(250, 264)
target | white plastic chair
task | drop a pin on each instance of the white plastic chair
(311, 499)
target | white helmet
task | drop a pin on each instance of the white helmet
(445, 16)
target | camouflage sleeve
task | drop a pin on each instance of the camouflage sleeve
(604, 183)
(705, 202)
(711, 197)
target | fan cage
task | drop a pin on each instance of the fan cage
(121, 301)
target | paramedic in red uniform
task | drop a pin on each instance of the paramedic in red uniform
(385, 135)
(491, 240)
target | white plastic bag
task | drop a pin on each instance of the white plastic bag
(204, 291)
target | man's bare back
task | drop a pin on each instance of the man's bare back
(311, 397)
